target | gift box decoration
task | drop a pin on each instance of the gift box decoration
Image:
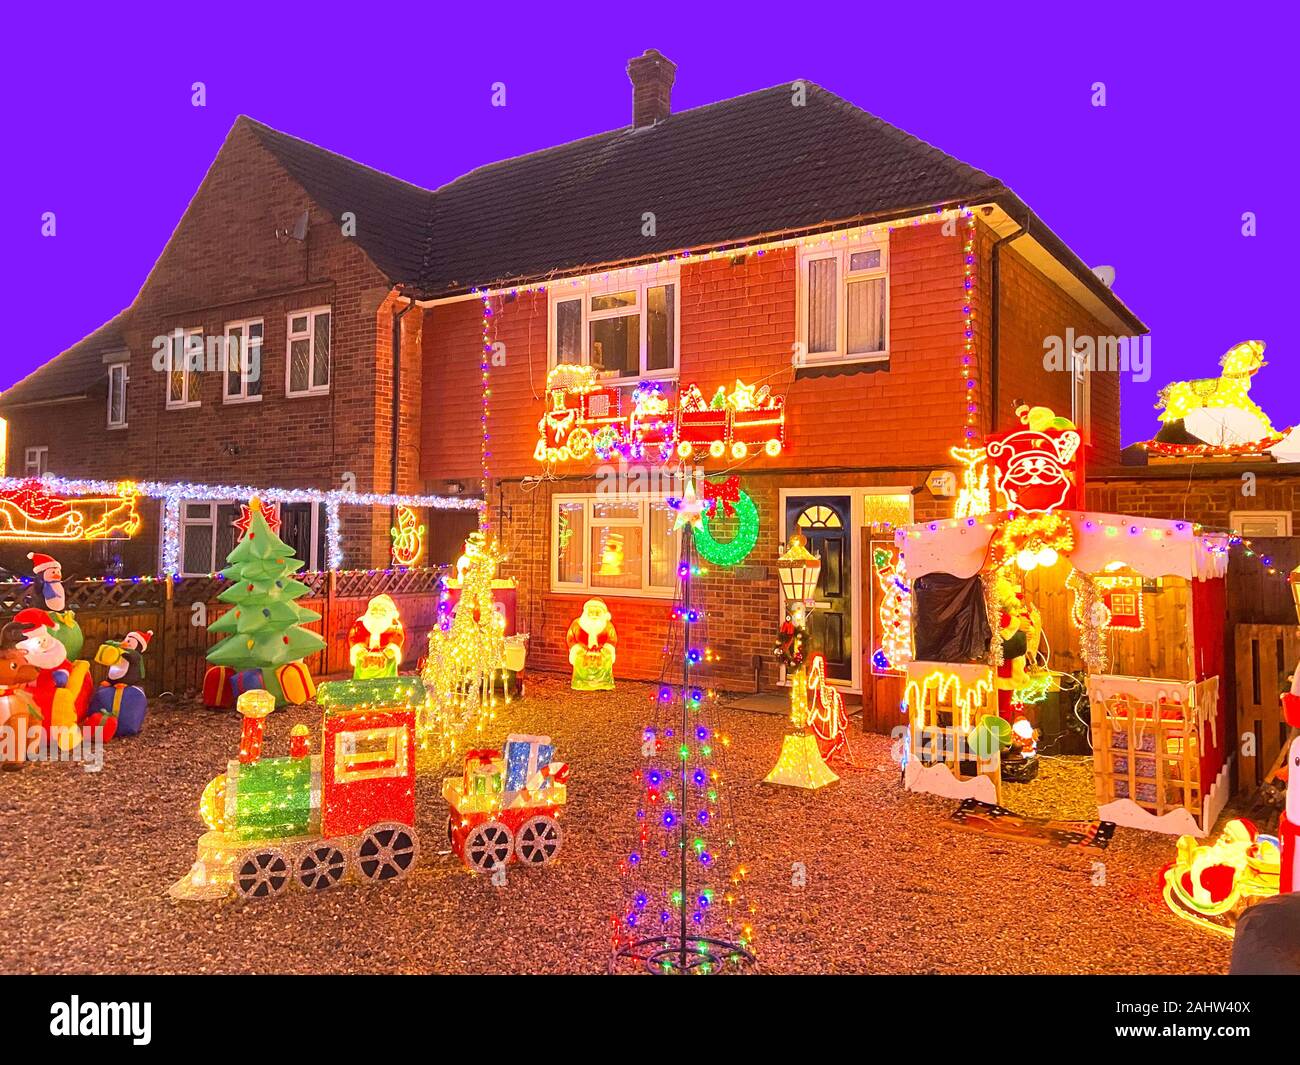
(218, 691)
(484, 773)
(525, 755)
(247, 681)
(296, 683)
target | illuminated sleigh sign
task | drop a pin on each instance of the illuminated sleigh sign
(1034, 467)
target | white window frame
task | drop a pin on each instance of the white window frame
(843, 278)
(585, 587)
(243, 396)
(637, 280)
(210, 522)
(311, 314)
(1081, 395)
(1237, 518)
(185, 335)
(119, 376)
(36, 461)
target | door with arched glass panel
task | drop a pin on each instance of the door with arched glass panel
(825, 522)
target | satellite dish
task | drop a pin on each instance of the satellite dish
(1105, 274)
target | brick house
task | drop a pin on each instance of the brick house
(260, 253)
(893, 297)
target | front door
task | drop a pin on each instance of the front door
(826, 524)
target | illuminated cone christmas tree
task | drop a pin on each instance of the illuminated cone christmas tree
(684, 908)
(264, 627)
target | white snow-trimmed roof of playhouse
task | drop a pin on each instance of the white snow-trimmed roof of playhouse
(1153, 547)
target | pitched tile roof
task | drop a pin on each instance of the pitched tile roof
(756, 164)
(393, 216)
(76, 373)
(723, 173)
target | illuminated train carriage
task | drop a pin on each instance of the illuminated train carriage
(311, 819)
(505, 806)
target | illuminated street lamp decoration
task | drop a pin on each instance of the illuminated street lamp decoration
(800, 764)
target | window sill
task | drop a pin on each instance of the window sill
(235, 401)
(116, 428)
(312, 393)
(838, 366)
(183, 406)
(607, 594)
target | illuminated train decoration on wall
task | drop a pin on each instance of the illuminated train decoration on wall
(586, 419)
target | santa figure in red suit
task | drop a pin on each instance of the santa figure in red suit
(43, 650)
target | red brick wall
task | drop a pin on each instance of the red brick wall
(1204, 495)
(1032, 309)
(224, 263)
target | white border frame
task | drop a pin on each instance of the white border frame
(1235, 524)
(290, 336)
(42, 464)
(556, 587)
(840, 356)
(637, 278)
(855, 494)
(244, 378)
(125, 367)
(185, 334)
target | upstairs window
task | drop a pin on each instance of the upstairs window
(36, 462)
(184, 364)
(243, 364)
(844, 304)
(308, 356)
(625, 325)
(117, 382)
(1081, 395)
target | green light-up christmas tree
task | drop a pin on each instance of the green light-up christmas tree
(264, 629)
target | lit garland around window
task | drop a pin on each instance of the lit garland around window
(734, 503)
(173, 494)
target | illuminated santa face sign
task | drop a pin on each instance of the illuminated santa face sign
(1034, 467)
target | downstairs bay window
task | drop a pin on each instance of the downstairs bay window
(618, 545)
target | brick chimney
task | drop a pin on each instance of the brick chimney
(652, 87)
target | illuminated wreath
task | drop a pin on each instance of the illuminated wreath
(737, 549)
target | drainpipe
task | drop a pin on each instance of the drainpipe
(397, 386)
(995, 338)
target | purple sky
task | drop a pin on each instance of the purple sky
(102, 132)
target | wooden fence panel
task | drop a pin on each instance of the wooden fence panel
(1265, 657)
(176, 660)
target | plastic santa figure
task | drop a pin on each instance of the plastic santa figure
(61, 692)
(48, 580)
(376, 640)
(592, 639)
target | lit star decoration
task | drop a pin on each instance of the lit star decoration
(246, 511)
(690, 509)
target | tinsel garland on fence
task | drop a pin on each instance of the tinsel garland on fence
(1092, 638)
(989, 580)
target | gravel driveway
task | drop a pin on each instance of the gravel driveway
(892, 886)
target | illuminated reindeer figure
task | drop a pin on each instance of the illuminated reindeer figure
(1219, 410)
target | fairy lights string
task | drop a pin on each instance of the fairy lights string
(969, 380)
(173, 495)
(485, 368)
